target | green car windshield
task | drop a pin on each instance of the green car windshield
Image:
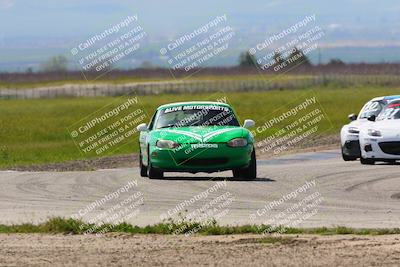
(196, 115)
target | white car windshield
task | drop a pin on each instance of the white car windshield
(390, 112)
(371, 108)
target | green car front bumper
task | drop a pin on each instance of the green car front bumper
(189, 159)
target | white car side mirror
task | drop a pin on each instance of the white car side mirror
(352, 117)
(372, 118)
(142, 127)
(248, 123)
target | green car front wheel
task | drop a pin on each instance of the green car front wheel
(250, 172)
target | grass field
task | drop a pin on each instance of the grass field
(35, 131)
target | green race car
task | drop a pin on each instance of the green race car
(196, 137)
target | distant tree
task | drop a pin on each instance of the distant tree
(336, 62)
(55, 64)
(297, 57)
(278, 58)
(147, 65)
(246, 59)
(29, 70)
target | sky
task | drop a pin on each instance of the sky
(29, 27)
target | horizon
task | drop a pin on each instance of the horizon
(354, 31)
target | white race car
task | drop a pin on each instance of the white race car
(380, 140)
(349, 133)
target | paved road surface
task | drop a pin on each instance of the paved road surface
(330, 192)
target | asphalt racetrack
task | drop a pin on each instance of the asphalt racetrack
(343, 193)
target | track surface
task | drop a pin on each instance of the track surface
(353, 195)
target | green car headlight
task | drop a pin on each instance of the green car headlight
(237, 142)
(166, 144)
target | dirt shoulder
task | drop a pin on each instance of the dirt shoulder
(131, 160)
(163, 250)
(112, 162)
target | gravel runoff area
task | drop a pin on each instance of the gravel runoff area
(163, 250)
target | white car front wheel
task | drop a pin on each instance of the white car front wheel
(367, 161)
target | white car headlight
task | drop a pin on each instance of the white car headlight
(353, 130)
(373, 132)
(166, 144)
(237, 142)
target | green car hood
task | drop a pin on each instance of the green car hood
(200, 134)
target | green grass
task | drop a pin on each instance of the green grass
(71, 226)
(35, 131)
